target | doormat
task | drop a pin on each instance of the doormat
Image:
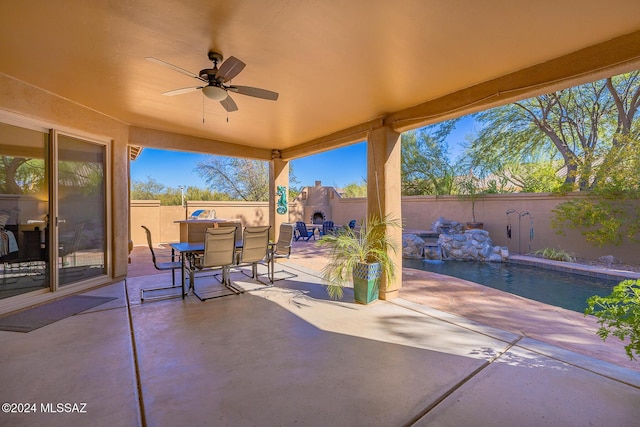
(42, 315)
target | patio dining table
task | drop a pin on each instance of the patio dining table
(188, 248)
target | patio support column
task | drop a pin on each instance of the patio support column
(384, 194)
(278, 177)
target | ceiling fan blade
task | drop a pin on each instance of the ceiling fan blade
(181, 91)
(255, 92)
(230, 68)
(173, 67)
(229, 104)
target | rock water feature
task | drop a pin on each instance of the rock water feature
(453, 243)
(472, 245)
(412, 246)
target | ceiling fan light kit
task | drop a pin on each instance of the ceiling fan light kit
(214, 92)
(215, 78)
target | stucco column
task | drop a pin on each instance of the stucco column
(278, 203)
(384, 194)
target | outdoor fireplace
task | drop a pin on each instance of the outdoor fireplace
(318, 217)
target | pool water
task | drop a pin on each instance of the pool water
(552, 287)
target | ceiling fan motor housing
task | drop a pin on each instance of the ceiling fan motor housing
(209, 74)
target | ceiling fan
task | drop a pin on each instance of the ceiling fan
(216, 79)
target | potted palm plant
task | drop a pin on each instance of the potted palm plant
(360, 255)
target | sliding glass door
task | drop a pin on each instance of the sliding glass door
(53, 209)
(81, 206)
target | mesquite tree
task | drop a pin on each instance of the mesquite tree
(586, 128)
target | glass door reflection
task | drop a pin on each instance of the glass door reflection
(24, 200)
(81, 219)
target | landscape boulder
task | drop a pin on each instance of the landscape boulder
(412, 246)
(471, 245)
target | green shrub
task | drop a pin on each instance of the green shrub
(601, 221)
(619, 314)
(554, 254)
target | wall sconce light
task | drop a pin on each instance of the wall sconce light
(304, 195)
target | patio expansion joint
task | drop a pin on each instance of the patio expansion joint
(462, 382)
(566, 361)
(521, 336)
(136, 366)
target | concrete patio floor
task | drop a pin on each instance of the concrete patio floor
(287, 355)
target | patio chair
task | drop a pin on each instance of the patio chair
(255, 250)
(327, 228)
(70, 243)
(236, 225)
(219, 254)
(303, 233)
(172, 265)
(282, 249)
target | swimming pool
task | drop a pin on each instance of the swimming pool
(552, 287)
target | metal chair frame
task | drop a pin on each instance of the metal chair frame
(282, 249)
(255, 250)
(172, 265)
(219, 254)
(70, 247)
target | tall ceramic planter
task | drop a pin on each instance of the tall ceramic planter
(365, 282)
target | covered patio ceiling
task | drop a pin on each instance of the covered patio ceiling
(340, 67)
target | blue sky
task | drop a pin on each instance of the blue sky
(335, 168)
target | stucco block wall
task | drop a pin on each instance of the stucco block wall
(344, 210)
(161, 219)
(419, 212)
(147, 213)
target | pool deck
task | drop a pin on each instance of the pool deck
(559, 327)
(527, 318)
(587, 270)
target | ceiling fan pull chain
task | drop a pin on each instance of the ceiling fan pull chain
(203, 108)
